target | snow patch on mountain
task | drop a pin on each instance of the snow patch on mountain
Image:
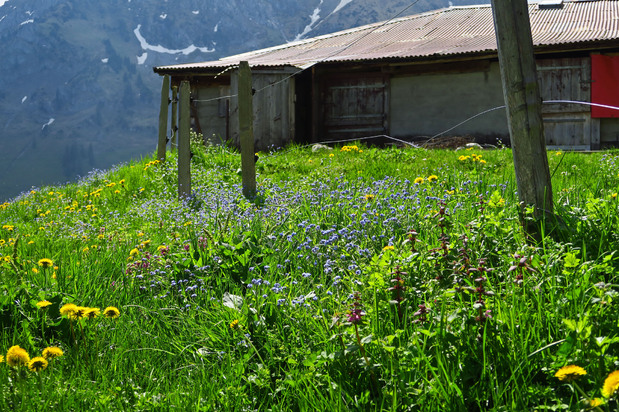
(26, 22)
(315, 16)
(49, 122)
(2, 2)
(142, 58)
(162, 16)
(24, 99)
(339, 6)
(160, 49)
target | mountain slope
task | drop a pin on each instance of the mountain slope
(77, 91)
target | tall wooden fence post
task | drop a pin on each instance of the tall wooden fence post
(184, 150)
(174, 117)
(163, 118)
(246, 128)
(523, 102)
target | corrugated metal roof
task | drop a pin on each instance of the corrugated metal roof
(450, 32)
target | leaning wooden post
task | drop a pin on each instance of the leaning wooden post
(163, 118)
(184, 150)
(246, 120)
(524, 104)
(174, 117)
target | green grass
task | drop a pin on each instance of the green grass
(344, 285)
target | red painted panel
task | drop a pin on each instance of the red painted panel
(605, 86)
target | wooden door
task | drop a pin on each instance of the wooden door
(567, 125)
(353, 106)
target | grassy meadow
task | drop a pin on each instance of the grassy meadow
(357, 279)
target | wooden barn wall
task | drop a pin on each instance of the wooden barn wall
(212, 112)
(274, 122)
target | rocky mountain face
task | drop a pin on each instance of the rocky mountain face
(77, 90)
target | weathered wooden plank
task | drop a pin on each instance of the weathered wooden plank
(163, 118)
(594, 134)
(174, 117)
(246, 115)
(523, 102)
(184, 150)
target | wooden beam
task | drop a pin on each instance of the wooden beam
(163, 118)
(524, 104)
(246, 128)
(184, 150)
(174, 117)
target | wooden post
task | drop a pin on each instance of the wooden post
(184, 150)
(524, 104)
(246, 128)
(163, 118)
(174, 117)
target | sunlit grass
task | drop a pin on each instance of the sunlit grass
(359, 278)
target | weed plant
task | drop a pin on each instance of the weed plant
(358, 279)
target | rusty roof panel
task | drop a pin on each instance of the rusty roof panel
(450, 32)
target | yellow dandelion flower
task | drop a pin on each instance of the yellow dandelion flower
(35, 270)
(419, 180)
(17, 356)
(43, 304)
(331, 155)
(614, 195)
(78, 313)
(611, 384)
(570, 373)
(92, 313)
(594, 403)
(52, 352)
(37, 364)
(234, 324)
(45, 263)
(68, 309)
(388, 247)
(134, 252)
(432, 178)
(1, 358)
(369, 197)
(111, 312)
